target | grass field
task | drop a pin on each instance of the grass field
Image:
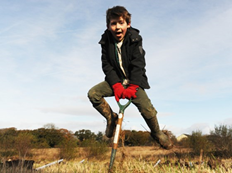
(130, 159)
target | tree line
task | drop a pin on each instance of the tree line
(14, 141)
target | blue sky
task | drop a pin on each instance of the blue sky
(50, 58)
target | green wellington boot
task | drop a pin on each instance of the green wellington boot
(162, 137)
(111, 117)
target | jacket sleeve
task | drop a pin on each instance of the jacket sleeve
(110, 74)
(137, 63)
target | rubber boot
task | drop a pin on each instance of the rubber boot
(162, 137)
(104, 109)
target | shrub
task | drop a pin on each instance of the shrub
(137, 138)
(68, 149)
(23, 143)
(221, 137)
(197, 142)
(95, 148)
(68, 145)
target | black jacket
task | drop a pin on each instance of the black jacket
(132, 59)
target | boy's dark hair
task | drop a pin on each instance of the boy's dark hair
(117, 12)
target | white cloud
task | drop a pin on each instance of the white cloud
(194, 60)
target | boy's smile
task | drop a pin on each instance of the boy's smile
(118, 28)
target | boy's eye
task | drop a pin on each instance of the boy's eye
(121, 22)
(113, 23)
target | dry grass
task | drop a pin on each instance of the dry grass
(128, 159)
(44, 155)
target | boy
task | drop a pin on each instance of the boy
(123, 63)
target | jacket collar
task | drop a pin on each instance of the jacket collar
(132, 33)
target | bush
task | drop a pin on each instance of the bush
(137, 138)
(69, 145)
(95, 148)
(221, 137)
(23, 143)
(197, 142)
(68, 149)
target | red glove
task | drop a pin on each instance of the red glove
(118, 90)
(130, 91)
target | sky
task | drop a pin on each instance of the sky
(50, 58)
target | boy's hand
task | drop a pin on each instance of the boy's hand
(118, 90)
(130, 91)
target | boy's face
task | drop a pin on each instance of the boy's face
(118, 28)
